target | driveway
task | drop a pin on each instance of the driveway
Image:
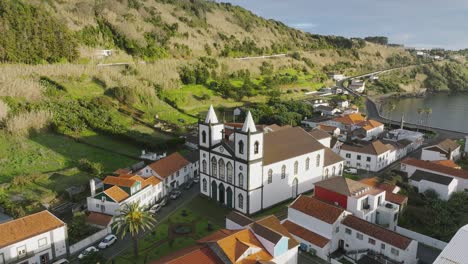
(123, 244)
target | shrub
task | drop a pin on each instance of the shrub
(93, 168)
(23, 123)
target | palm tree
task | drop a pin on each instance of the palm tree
(427, 112)
(420, 112)
(391, 108)
(133, 220)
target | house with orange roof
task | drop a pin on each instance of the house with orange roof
(262, 241)
(35, 238)
(173, 170)
(370, 129)
(124, 189)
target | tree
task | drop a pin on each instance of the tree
(133, 220)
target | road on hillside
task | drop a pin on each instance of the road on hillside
(123, 244)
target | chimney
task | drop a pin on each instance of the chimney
(92, 187)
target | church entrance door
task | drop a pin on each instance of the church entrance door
(221, 193)
(214, 190)
(295, 187)
(229, 197)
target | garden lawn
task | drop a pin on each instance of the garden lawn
(47, 152)
(157, 244)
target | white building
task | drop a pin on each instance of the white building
(444, 186)
(362, 200)
(122, 190)
(445, 150)
(416, 138)
(321, 136)
(253, 169)
(410, 166)
(455, 251)
(357, 234)
(342, 104)
(357, 86)
(326, 110)
(373, 156)
(371, 129)
(36, 238)
(323, 228)
(314, 224)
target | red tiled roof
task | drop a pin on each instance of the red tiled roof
(447, 163)
(27, 227)
(436, 167)
(99, 219)
(316, 208)
(396, 198)
(351, 119)
(119, 181)
(116, 193)
(169, 165)
(198, 254)
(329, 129)
(374, 182)
(306, 234)
(377, 232)
(374, 148)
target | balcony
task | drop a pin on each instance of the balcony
(388, 207)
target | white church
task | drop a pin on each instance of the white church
(250, 168)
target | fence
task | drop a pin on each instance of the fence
(89, 241)
(421, 238)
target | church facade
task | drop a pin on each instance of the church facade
(255, 167)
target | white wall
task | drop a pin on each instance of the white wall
(319, 252)
(421, 238)
(462, 184)
(34, 251)
(376, 163)
(84, 243)
(444, 191)
(351, 242)
(313, 224)
(432, 155)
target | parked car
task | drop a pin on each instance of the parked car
(61, 261)
(196, 180)
(87, 252)
(188, 185)
(163, 202)
(155, 208)
(351, 170)
(107, 241)
(174, 195)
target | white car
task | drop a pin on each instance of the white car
(174, 195)
(351, 171)
(61, 261)
(107, 241)
(156, 208)
(87, 252)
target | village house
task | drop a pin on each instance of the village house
(255, 169)
(242, 241)
(342, 103)
(36, 238)
(445, 150)
(346, 122)
(444, 177)
(323, 228)
(332, 130)
(326, 110)
(321, 136)
(357, 86)
(396, 135)
(369, 130)
(391, 191)
(373, 156)
(124, 189)
(316, 121)
(362, 200)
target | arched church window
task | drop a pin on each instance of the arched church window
(256, 145)
(229, 172)
(214, 167)
(270, 176)
(318, 161)
(283, 172)
(221, 169)
(241, 180)
(240, 200)
(307, 165)
(296, 167)
(241, 147)
(203, 135)
(204, 166)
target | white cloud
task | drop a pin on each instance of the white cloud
(304, 26)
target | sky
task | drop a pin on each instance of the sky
(414, 23)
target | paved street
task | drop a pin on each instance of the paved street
(173, 205)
